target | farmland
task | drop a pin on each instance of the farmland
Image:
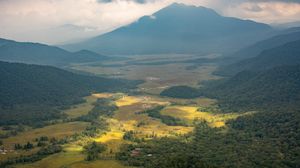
(131, 115)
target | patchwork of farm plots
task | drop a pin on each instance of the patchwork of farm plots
(129, 116)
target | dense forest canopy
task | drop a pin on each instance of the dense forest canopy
(33, 91)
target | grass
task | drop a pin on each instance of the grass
(156, 77)
(72, 160)
(100, 164)
(57, 131)
(128, 117)
(110, 136)
(127, 100)
(81, 109)
(191, 113)
(56, 161)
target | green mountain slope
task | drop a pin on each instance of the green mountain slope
(35, 53)
(287, 54)
(270, 89)
(32, 91)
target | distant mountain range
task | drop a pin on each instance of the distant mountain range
(35, 53)
(253, 50)
(178, 29)
(287, 54)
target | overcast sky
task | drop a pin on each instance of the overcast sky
(58, 21)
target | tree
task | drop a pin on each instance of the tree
(28, 146)
(93, 150)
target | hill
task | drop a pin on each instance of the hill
(287, 54)
(270, 132)
(288, 35)
(271, 89)
(32, 92)
(177, 28)
(35, 53)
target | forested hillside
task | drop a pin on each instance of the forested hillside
(30, 92)
(276, 88)
(287, 36)
(287, 54)
(35, 53)
(269, 137)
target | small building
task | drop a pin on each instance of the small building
(136, 152)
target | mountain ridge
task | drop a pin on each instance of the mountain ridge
(176, 28)
(42, 54)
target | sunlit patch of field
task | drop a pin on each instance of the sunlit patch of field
(73, 148)
(127, 100)
(130, 118)
(110, 136)
(81, 109)
(191, 113)
(102, 95)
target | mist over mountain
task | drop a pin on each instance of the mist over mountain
(253, 50)
(35, 53)
(178, 28)
(287, 54)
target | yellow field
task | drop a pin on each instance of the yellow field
(190, 113)
(127, 118)
(81, 109)
(127, 100)
(102, 95)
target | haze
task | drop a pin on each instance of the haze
(65, 21)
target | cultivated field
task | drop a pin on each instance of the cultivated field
(158, 72)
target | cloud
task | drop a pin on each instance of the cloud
(57, 21)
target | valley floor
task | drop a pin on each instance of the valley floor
(158, 73)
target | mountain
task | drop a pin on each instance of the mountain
(287, 54)
(285, 36)
(35, 53)
(178, 29)
(275, 88)
(33, 92)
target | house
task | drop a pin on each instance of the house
(136, 152)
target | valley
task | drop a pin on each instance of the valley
(130, 116)
(157, 71)
(162, 85)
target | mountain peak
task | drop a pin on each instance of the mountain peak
(181, 9)
(177, 28)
